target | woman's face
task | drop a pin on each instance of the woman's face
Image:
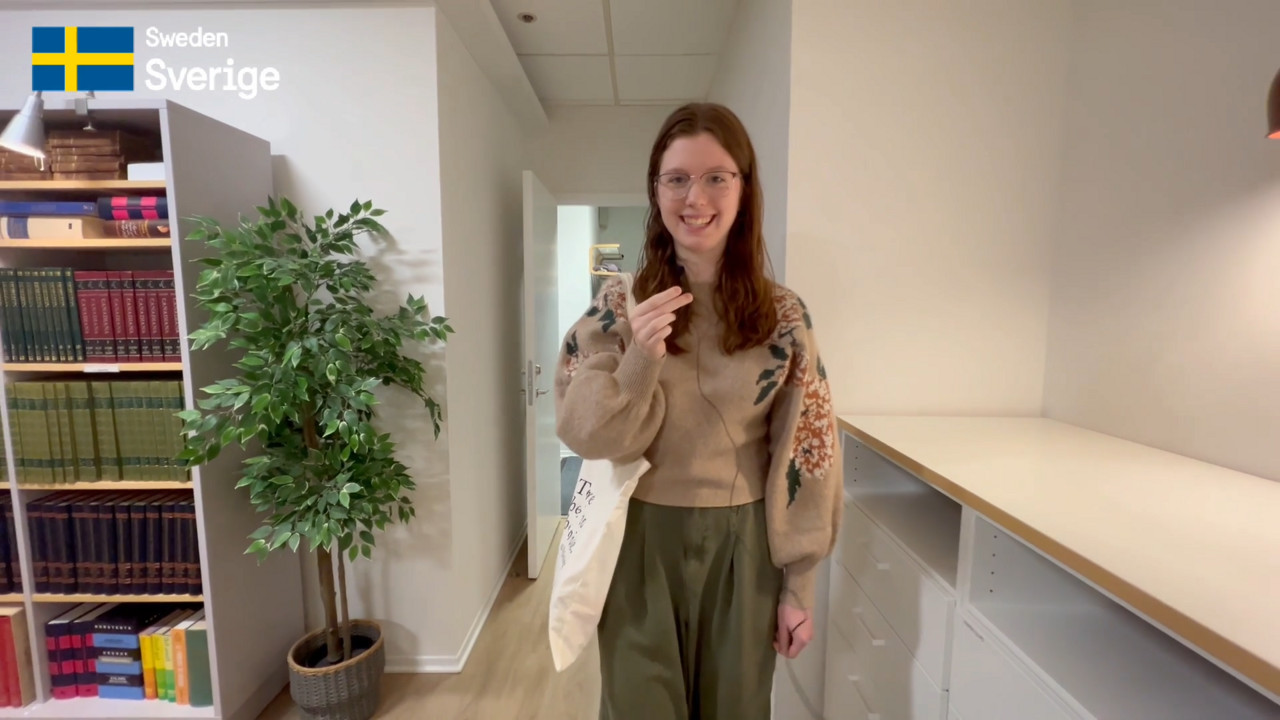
(699, 190)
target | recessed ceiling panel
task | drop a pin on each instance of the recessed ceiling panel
(671, 27)
(563, 27)
(664, 77)
(570, 79)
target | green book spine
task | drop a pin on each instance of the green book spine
(104, 423)
(157, 447)
(35, 433)
(50, 326)
(50, 406)
(15, 429)
(6, 275)
(73, 314)
(52, 283)
(200, 681)
(32, 334)
(173, 404)
(124, 405)
(62, 405)
(13, 317)
(82, 431)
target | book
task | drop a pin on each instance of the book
(129, 542)
(67, 315)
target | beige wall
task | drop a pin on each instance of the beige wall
(1165, 325)
(754, 80)
(924, 167)
(482, 155)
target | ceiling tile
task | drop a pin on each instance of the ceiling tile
(564, 27)
(570, 79)
(670, 27)
(659, 77)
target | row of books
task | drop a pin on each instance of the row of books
(17, 673)
(114, 543)
(93, 430)
(131, 651)
(80, 227)
(10, 566)
(105, 207)
(57, 314)
(77, 154)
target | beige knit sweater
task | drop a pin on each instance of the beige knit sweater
(717, 429)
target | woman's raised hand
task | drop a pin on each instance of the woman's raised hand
(651, 320)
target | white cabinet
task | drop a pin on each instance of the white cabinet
(987, 682)
(916, 606)
(936, 612)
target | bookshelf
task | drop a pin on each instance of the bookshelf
(253, 611)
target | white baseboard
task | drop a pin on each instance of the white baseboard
(452, 664)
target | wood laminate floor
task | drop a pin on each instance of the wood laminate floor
(508, 677)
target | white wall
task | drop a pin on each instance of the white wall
(754, 80)
(924, 168)
(1164, 325)
(587, 152)
(576, 230)
(362, 123)
(482, 155)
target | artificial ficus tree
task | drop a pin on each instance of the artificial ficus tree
(290, 299)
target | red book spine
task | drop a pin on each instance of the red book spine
(93, 296)
(170, 339)
(141, 298)
(11, 688)
(128, 341)
(155, 280)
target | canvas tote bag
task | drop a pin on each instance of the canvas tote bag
(589, 547)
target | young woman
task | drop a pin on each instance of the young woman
(714, 378)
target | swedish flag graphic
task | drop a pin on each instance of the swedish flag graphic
(71, 59)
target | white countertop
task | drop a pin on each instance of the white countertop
(1194, 546)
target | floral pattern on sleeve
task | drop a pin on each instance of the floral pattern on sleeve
(813, 447)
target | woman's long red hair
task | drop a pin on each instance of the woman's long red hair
(744, 291)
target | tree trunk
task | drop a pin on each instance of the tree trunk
(346, 611)
(325, 558)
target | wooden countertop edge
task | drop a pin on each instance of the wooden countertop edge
(1215, 645)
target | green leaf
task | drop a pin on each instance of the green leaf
(351, 488)
(294, 540)
(344, 497)
(257, 546)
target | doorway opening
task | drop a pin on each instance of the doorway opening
(593, 240)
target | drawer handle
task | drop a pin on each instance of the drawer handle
(875, 641)
(854, 680)
(876, 561)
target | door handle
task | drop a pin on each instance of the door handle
(540, 392)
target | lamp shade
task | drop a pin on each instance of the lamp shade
(1273, 109)
(25, 132)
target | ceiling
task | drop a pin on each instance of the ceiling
(618, 52)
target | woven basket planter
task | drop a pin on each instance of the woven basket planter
(345, 691)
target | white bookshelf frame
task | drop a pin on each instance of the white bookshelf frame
(254, 611)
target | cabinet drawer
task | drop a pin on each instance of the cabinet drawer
(843, 698)
(915, 605)
(989, 684)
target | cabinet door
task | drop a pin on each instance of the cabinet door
(989, 684)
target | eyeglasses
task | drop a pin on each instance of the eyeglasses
(713, 183)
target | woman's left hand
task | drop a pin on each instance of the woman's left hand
(795, 631)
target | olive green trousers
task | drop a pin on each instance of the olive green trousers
(689, 622)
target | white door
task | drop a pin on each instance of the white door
(541, 349)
